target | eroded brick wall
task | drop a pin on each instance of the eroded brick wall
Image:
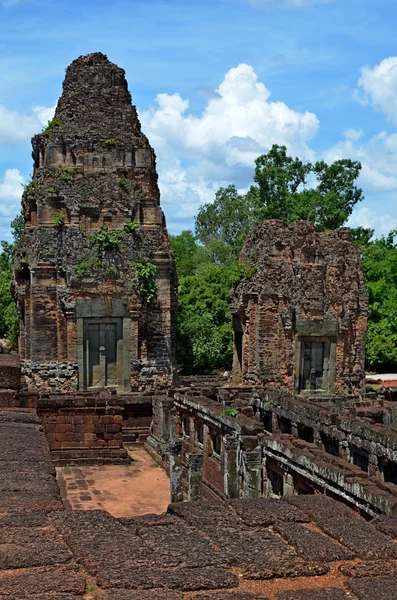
(303, 286)
(83, 430)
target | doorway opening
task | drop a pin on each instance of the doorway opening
(103, 350)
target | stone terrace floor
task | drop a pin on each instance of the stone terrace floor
(122, 490)
(303, 548)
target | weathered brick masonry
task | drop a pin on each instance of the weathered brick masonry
(92, 216)
(300, 319)
(89, 428)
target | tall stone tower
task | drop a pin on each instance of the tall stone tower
(94, 277)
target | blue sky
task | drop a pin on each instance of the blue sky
(216, 82)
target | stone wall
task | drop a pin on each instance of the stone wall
(91, 428)
(251, 443)
(10, 379)
(300, 316)
(362, 433)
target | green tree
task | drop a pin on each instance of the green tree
(227, 220)
(189, 255)
(8, 309)
(380, 266)
(282, 190)
(203, 325)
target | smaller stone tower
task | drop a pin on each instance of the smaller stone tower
(300, 320)
(94, 277)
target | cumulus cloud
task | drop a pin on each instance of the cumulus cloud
(197, 154)
(10, 200)
(378, 86)
(378, 157)
(353, 134)
(16, 127)
(367, 217)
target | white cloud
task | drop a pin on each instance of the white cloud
(378, 157)
(378, 86)
(197, 154)
(15, 127)
(367, 217)
(7, 3)
(10, 200)
(353, 134)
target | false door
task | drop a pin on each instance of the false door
(103, 345)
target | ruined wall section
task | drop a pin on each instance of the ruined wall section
(93, 169)
(303, 283)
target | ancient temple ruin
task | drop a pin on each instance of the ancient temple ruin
(300, 318)
(94, 277)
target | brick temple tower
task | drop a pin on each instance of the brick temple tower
(300, 320)
(94, 277)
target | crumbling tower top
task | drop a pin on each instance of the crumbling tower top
(96, 101)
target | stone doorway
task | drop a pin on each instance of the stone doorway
(103, 343)
(312, 365)
(103, 328)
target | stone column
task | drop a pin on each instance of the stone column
(71, 335)
(176, 471)
(288, 485)
(231, 477)
(195, 476)
(252, 467)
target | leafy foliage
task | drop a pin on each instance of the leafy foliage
(107, 239)
(8, 309)
(59, 219)
(65, 174)
(203, 322)
(55, 122)
(110, 143)
(226, 221)
(122, 181)
(230, 412)
(146, 280)
(379, 258)
(32, 187)
(131, 226)
(282, 193)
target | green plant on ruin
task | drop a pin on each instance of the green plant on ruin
(94, 263)
(110, 143)
(32, 187)
(131, 226)
(244, 271)
(230, 412)
(106, 239)
(55, 122)
(50, 252)
(122, 181)
(65, 174)
(59, 219)
(145, 274)
(51, 190)
(81, 269)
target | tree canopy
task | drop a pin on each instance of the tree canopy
(379, 258)
(284, 188)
